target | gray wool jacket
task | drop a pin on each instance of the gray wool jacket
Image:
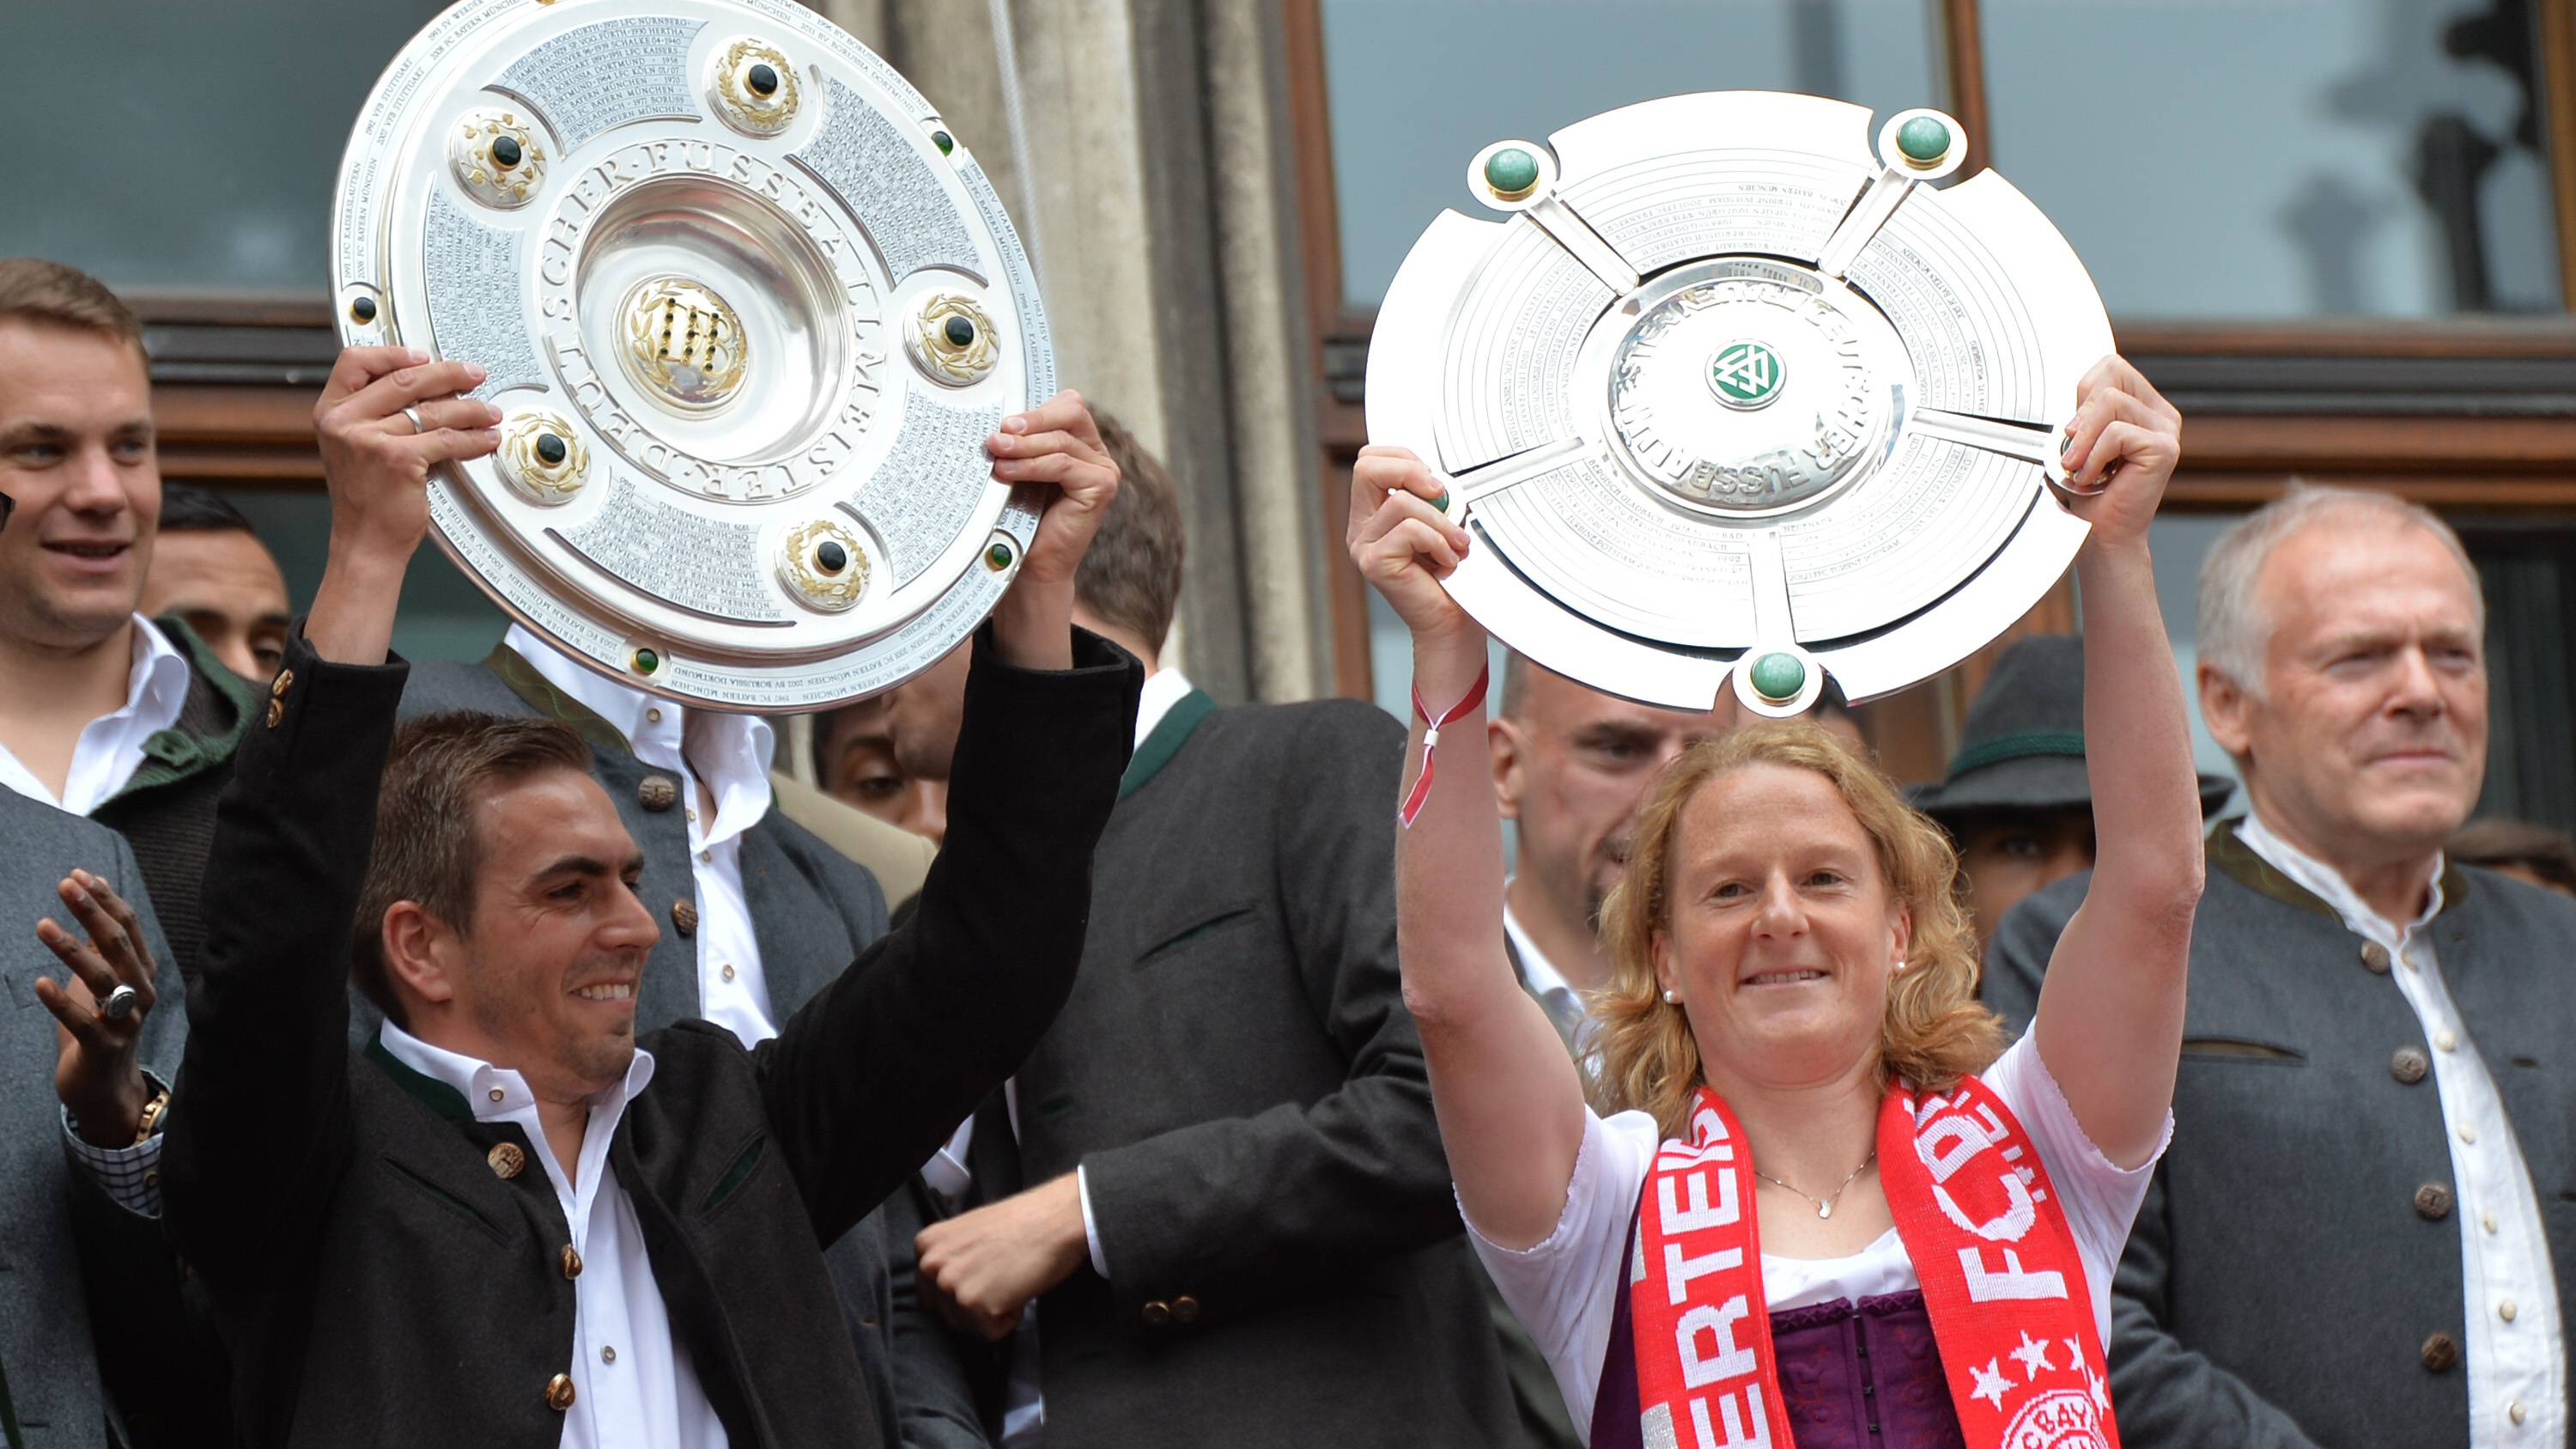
(48, 1210)
(2294, 1275)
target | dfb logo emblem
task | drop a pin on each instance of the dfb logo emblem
(1746, 374)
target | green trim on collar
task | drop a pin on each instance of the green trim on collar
(172, 755)
(2229, 853)
(2062, 743)
(443, 1099)
(1168, 735)
(542, 696)
(2238, 860)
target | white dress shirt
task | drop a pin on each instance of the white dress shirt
(633, 1384)
(2516, 1343)
(110, 748)
(1542, 980)
(1564, 1289)
(1023, 1403)
(734, 752)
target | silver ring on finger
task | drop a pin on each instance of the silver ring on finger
(417, 425)
(120, 1003)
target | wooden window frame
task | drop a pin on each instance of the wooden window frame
(2468, 415)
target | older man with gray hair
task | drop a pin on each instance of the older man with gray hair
(2354, 1237)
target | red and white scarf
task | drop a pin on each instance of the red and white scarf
(2001, 1278)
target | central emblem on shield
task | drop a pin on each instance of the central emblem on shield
(1746, 374)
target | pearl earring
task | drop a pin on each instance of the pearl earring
(1671, 997)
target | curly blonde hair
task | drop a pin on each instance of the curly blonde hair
(1935, 1030)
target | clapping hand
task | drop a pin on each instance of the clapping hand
(100, 1011)
(982, 1268)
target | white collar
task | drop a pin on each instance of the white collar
(109, 749)
(1163, 689)
(156, 686)
(1539, 972)
(734, 751)
(477, 1081)
(2328, 884)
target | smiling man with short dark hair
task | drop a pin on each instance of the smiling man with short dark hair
(512, 1220)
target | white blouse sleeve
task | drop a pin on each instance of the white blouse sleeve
(2100, 1199)
(1563, 1289)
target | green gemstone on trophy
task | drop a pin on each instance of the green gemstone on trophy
(1511, 172)
(1778, 676)
(1747, 374)
(998, 557)
(1923, 140)
(362, 310)
(945, 142)
(646, 661)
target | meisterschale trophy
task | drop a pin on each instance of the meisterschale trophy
(749, 311)
(1732, 396)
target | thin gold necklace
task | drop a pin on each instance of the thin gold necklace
(1825, 1204)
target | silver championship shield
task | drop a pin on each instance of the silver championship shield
(1733, 396)
(749, 311)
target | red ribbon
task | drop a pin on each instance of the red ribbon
(1431, 741)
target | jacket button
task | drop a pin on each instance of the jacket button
(2374, 956)
(571, 1262)
(506, 1159)
(276, 712)
(2433, 1201)
(2409, 1065)
(660, 792)
(559, 1392)
(2441, 1352)
(1157, 1313)
(684, 918)
(1185, 1309)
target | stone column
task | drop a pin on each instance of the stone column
(1156, 206)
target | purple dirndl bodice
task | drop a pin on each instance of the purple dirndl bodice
(1863, 1375)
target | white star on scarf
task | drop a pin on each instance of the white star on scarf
(2093, 1385)
(2033, 1355)
(1991, 1383)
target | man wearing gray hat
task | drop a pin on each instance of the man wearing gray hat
(2016, 801)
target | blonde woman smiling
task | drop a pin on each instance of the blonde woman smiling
(1820, 1201)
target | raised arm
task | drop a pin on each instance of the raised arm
(250, 1158)
(1509, 1102)
(882, 1065)
(2109, 1020)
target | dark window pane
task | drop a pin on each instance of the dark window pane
(2529, 570)
(1418, 86)
(180, 144)
(2282, 158)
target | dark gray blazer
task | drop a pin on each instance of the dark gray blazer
(812, 911)
(48, 1210)
(1237, 1076)
(2285, 1285)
